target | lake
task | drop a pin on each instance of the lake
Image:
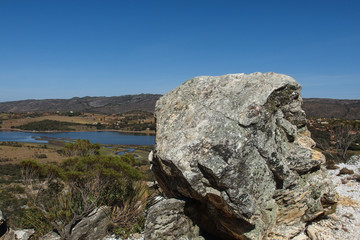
(102, 137)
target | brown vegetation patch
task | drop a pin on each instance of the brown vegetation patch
(344, 171)
(36, 151)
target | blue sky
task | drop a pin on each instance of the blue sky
(68, 48)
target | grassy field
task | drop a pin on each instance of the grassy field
(13, 153)
(23, 151)
(127, 122)
(7, 124)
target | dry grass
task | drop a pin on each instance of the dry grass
(35, 151)
(89, 119)
(7, 124)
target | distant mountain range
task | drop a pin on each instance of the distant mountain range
(314, 107)
(107, 105)
(332, 108)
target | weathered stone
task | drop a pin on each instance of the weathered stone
(23, 234)
(94, 226)
(236, 149)
(51, 236)
(301, 236)
(3, 225)
(9, 235)
(167, 220)
(5, 232)
(354, 160)
(345, 171)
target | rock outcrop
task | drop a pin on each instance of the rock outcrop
(5, 232)
(236, 149)
(344, 223)
(94, 226)
(23, 234)
(167, 220)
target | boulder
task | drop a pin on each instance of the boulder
(23, 234)
(51, 236)
(3, 225)
(354, 160)
(167, 220)
(5, 232)
(236, 149)
(94, 226)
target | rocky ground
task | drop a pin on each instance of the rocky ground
(345, 222)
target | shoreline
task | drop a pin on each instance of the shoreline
(150, 132)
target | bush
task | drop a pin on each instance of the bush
(81, 148)
(67, 193)
(11, 144)
(40, 155)
(48, 125)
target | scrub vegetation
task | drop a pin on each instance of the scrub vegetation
(48, 196)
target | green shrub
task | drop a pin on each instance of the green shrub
(40, 155)
(11, 144)
(48, 125)
(67, 193)
(81, 148)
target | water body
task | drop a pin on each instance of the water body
(128, 150)
(103, 137)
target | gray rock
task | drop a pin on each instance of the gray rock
(9, 235)
(5, 232)
(167, 220)
(51, 236)
(236, 148)
(23, 234)
(354, 160)
(94, 226)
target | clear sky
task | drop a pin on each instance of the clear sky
(68, 48)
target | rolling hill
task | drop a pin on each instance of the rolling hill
(331, 108)
(107, 105)
(314, 107)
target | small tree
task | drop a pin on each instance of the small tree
(323, 141)
(336, 140)
(344, 136)
(81, 148)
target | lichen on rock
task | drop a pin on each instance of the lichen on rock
(236, 149)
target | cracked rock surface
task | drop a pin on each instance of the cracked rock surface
(236, 149)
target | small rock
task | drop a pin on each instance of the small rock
(353, 160)
(356, 177)
(344, 171)
(317, 233)
(301, 236)
(24, 234)
(51, 236)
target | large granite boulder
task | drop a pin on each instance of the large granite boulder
(236, 149)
